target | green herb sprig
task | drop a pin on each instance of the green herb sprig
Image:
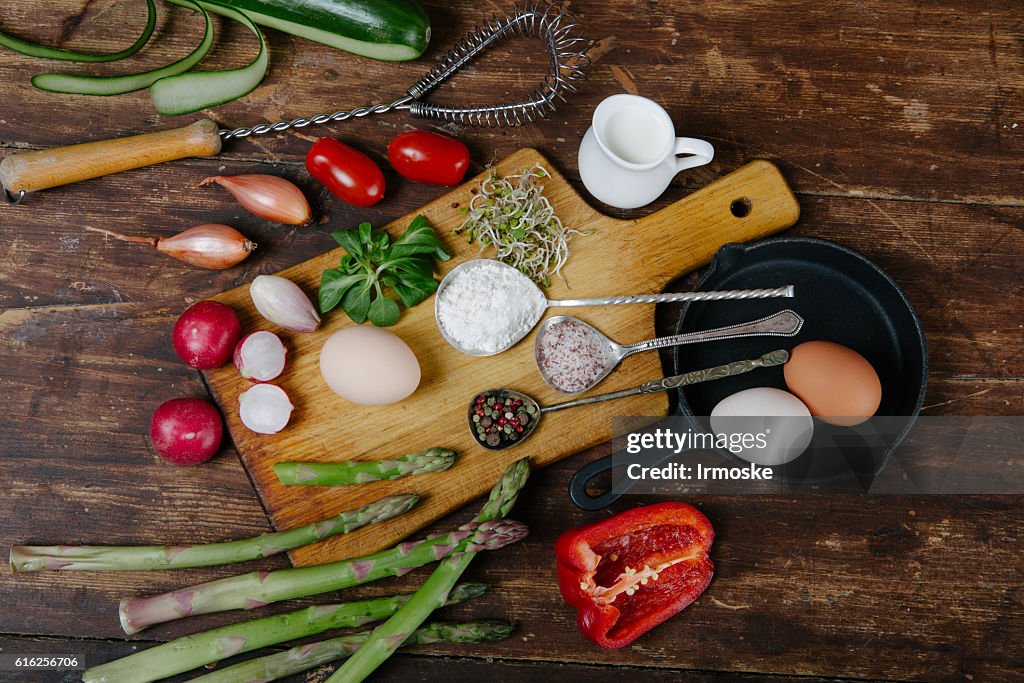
(373, 262)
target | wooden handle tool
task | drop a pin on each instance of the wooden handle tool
(44, 168)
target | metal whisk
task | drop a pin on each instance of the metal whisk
(555, 25)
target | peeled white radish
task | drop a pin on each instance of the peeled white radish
(260, 356)
(264, 408)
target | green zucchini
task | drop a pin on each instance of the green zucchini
(45, 52)
(116, 85)
(196, 90)
(389, 30)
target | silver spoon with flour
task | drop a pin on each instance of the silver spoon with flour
(484, 307)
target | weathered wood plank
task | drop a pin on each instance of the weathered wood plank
(855, 98)
(411, 667)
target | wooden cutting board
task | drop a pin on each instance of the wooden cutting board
(620, 257)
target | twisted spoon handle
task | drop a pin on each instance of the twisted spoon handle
(785, 291)
(777, 357)
(785, 323)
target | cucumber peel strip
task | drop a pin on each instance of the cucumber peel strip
(190, 92)
(24, 47)
(117, 85)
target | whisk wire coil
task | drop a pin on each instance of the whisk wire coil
(553, 24)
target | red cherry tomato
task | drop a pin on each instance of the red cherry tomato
(427, 157)
(350, 175)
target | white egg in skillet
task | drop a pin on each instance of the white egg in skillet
(781, 419)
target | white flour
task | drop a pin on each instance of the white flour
(489, 306)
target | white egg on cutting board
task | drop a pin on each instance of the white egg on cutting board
(783, 420)
(369, 366)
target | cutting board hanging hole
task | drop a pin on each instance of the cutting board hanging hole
(741, 207)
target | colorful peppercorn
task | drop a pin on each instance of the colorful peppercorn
(499, 417)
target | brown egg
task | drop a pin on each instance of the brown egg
(837, 384)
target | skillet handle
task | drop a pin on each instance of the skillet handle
(578, 486)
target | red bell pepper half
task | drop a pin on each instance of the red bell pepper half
(627, 574)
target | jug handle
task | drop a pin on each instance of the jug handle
(700, 151)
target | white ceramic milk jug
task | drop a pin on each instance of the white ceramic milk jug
(628, 156)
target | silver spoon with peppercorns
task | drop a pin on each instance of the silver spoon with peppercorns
(573, 356)
(502, 418)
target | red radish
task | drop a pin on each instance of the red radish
(205, 335)
(260, 356)
(264, 408)
(186, 431)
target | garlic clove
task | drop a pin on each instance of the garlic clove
(280, 301)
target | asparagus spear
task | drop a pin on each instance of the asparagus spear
(255, 589)
(306, 657)
(363, 472)
(387, 637)
(28, 558)
(189, 652)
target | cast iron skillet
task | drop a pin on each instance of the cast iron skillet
(843, 297)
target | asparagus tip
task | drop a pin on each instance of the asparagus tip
(466, 591)
(496, 534)
(485, 630)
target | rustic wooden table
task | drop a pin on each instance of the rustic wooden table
(901, 128)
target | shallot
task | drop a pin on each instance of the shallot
(264, 408)
(283, 303)
(266, 196)
(260, 356)
(211, 245)
(205, 335)
(186, 431)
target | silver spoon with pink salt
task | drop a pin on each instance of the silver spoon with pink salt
(573, 356)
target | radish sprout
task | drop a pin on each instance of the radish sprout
(513, 214)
